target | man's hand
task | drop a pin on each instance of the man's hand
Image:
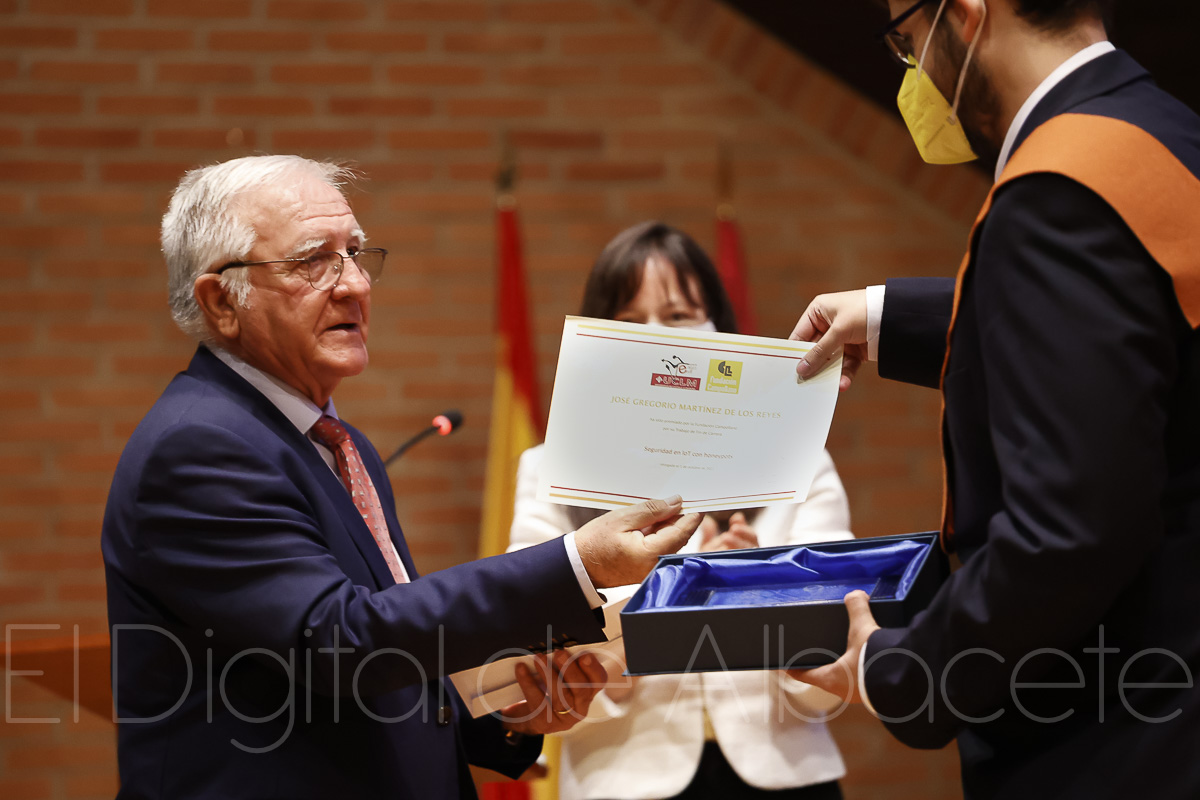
(841, 677)
(834, 321)
(622, 546)
(557, 694)
(739, 535)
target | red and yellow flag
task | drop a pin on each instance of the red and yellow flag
(731, 264)
(516, 411)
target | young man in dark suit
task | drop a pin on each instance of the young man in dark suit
(270, 635)
(1063, 654)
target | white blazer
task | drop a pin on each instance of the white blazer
(643, 737)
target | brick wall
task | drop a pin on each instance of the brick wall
(616, 110)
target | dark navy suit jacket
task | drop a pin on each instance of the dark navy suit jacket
(1073, 445)
(260, 646)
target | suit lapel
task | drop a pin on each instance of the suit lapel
(207, 367)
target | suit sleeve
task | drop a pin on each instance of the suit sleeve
(227, 542)
(912, 332)
(1079, 334)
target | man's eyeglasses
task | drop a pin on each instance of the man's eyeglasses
(324, 269)
(898, 44)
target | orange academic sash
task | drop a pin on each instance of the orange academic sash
(1161, 205)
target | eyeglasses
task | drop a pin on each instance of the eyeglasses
(324, 269)
(898, 44)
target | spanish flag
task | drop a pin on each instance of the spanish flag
(731, 264)
(516, 426)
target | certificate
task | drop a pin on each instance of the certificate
(719, 419)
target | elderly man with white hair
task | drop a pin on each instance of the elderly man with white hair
(271, 637)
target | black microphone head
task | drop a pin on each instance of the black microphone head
(448, 421)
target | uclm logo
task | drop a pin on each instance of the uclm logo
(678, 375)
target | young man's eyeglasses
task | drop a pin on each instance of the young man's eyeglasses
(324, 269)
(898, 44)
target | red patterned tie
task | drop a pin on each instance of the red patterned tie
(333, 434)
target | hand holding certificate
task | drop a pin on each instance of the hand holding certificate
(717, 418)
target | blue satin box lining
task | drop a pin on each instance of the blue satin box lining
(773, 608)
(795, 576)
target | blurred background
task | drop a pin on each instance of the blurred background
(615, 110)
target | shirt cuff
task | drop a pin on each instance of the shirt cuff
(585, 583)
(862, 681)
(874, 320)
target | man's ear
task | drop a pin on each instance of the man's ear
(970, 15)
(220, 312)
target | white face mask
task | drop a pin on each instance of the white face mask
(707, 325)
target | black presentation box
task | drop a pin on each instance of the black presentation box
(773, 607)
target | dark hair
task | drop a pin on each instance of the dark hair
(1056, 15)
(1060, 14)
(616, 276)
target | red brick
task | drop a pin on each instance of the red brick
(205, 72)
(24, 37)
(496, 107)
(126, 300)
(147, 105)
(64, 755)
(11, 137)
(670, 140)
(411, 202)
(440, 11)
(557, 140)
(9, 68)
(99, 332)
(104, 463)
(96, 268)
(87, 137)
(381, 43)
(261, 41)
(144, 171)
(130, 236)
(149, 365)
(251, 106)
(82, 8)
(16, 334)
(604, 44)
(26, 788)
(40, 104)
(382, 106)
(143, 39)
(50, 431)
(40, 171)
(84, 72)
(436, 74)
(14, 268)
(77, 528)
(378, 172)
(316, 10)
(89, 593)
(549, 12)
(48, 236)
(102, 203)
(553, 75)
(616, 171)
(666, 75)
(621, 106)
(309, 139)
(48, 366)
(494, 43)
(321, 74)
(208, 9)
(729, 105)
(438, 140)
(204, 138)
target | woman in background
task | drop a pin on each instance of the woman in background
(712, 735)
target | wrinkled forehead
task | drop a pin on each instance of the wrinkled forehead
(304, 204)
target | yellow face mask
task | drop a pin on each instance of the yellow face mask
(932, 121)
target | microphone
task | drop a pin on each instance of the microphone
(443, 424)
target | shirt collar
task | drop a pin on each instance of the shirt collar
(300, 411)
(1089, 53)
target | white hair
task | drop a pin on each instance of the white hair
(206, 224)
